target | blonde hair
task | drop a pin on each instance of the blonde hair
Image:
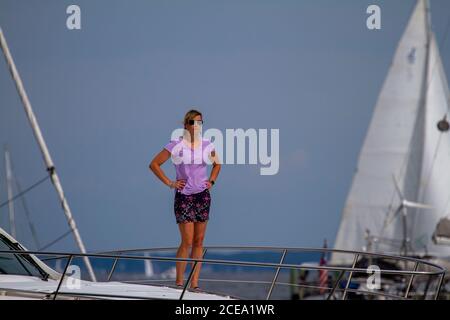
(190, 115)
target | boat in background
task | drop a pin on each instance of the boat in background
(399, 199)
(401, 187)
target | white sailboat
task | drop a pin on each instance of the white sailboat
(401, 187)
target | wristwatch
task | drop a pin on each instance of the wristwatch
(212, 182)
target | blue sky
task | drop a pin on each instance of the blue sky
(108, 96)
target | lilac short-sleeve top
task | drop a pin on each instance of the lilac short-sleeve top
(190, 164)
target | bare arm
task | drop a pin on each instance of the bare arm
(215, 170)
(155, 167)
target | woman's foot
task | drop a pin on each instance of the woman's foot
(196, 288)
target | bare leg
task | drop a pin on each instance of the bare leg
(197, 250)
(187, 235)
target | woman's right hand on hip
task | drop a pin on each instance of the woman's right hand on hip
(179, 184)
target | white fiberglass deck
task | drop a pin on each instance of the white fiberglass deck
(15, 286)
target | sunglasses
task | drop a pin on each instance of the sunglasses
(192, 122)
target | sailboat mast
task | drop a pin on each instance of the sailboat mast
(428, 43)
(44, 150)
(406, 242)
(12, 222)
(428, 23)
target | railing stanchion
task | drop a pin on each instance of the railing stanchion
(188, 282)
(411, 280)
(427, 286)
(336, 284)
(438, 288)
(344, 295)
(403, 294)
(113, 268)
(276, 275)
(62, 277)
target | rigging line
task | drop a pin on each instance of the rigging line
(25, 207)
(24, 191)
(27, 213)
(56, 240)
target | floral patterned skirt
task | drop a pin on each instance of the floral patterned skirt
(193, 207)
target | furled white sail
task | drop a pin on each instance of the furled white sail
(399, 149)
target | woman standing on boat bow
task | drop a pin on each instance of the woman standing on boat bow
(192, 196)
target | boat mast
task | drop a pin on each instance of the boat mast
(44, 150)
(428, 22)
(12, 222)
(428, 34)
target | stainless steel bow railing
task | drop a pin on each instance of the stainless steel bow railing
(434, 272)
